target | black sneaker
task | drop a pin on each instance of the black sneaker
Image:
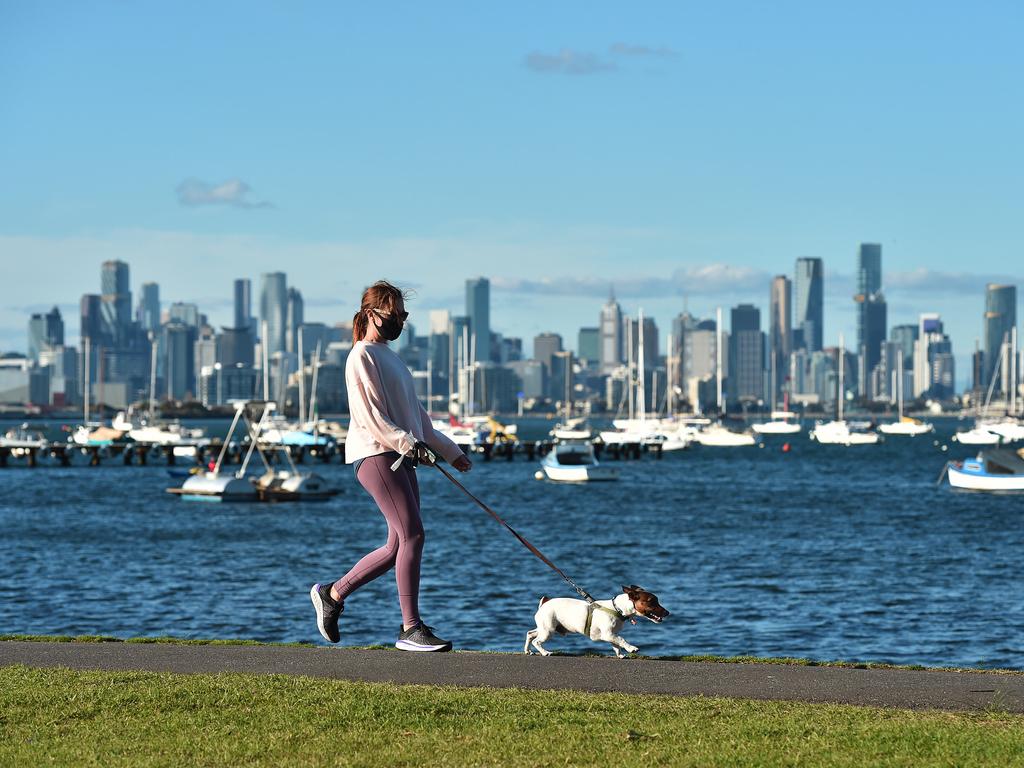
(421, 638)
(327, 611)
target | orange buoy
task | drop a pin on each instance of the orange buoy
(785, 447)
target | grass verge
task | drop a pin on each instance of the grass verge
(64, 717)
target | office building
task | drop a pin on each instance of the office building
(242, 305)
(148, 313)
(651, 347)
(295, 316)
(746, 350)
(45, 331)
(610, 324)
(808, 304)
(588, 348)
(871, 309)
(274, 312)
(780, 334)
(933, 360)
(1000, 318)
(478, 311)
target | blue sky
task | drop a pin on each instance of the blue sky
(684, 152)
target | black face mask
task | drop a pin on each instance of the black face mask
(390, 327)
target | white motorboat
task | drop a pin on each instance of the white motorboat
(996, 470)
(23, 438)
(904, 425)
(782, 423)
(574, 462)
(1010, 430)
(93, 434)
(468, 435)
(977, 436)
(842, 433)
(150, 430)
(719, 436)
(213, 486)
(572, 429)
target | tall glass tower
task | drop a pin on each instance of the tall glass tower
(871, 307)
(478, 310)
(809, 303)
(274, 310)
(780, 329)
(149, 307)
(1000, 317)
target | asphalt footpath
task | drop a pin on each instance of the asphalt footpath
(896, 688)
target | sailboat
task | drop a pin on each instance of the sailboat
(993, 432)
(839, 431)
(638, 429)
(905, 425)
(782, 422)
(717, 434)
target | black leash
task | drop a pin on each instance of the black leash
(582, 592)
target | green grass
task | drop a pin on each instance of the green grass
(63, 717)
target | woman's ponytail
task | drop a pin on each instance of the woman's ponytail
(359, 326)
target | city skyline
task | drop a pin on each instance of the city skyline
(565, 309)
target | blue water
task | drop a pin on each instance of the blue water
(823, 552)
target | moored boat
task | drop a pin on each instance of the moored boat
(995, 470)
(575, 462)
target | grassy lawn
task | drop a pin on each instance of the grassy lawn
(63, 717)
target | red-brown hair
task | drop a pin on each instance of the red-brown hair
(381, 295)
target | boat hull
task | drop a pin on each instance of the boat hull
(580, 474)
(905, 430)
(776, 428)
(984, 481)
(977, 437)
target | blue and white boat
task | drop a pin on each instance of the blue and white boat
(996, 470)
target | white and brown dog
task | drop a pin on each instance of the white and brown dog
(600, 620)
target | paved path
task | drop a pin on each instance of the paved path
(875, 687)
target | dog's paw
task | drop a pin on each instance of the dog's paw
(632, 648)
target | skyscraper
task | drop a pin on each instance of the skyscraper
(871, 308)
(746, 350)
(1000, 318)
(610, 326)
(651, 346)
(116, 307)
(148, 314)
(274, 311)
(295, 318)
(589, 345)
(478, 310)
(808, 303)
(45, 331)
(780, 340)
(243, 303)
(933, 359)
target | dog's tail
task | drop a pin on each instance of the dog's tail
(543, 600)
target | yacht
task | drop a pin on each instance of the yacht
(574, 462)
(782, 423)
(720, 436)
(904, 425)
(839, 431)
(150, 430)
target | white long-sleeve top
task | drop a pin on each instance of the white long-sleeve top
(385, 413)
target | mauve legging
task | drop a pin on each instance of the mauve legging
(398, 496)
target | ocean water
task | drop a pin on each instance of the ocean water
(820, 552)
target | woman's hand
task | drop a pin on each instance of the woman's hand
(463, 464)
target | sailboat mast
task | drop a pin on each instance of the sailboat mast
(152, 377)
(641, 390)
(718, 356)
(629, 368)
(842, 366)
(669, 392)
(899, 383)
(302, 379)
(88, 380)
(266, 362)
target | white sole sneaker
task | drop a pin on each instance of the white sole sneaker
(321, 611)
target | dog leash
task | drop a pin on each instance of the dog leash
(540, 555)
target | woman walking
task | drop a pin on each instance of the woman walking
(387, 422)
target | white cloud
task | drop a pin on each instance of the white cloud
(702, 280)
(568, 62)
(233, 192)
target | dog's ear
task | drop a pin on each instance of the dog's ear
(630, 588)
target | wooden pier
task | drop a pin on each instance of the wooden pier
(142, 454)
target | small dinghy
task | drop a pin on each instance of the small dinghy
(995, 470)
(574, 462)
